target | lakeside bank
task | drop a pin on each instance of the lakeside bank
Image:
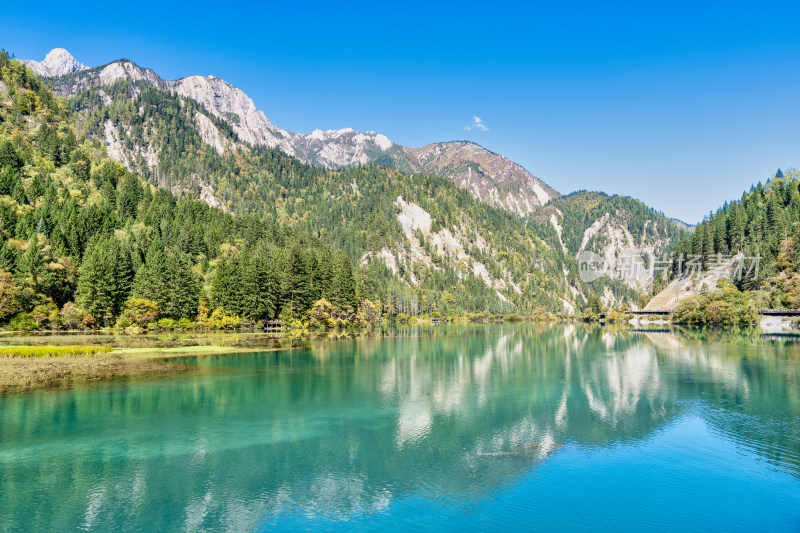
(155, 354)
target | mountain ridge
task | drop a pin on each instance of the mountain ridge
(402, 216)
(58, 62)
(491, 177)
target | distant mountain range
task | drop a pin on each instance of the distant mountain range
(490, 177)
(201, 137)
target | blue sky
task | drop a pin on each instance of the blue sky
(681, 105)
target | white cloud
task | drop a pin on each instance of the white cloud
(476, 124)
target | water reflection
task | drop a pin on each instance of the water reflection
(347, 428)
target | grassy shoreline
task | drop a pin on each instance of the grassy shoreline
(128, 357)
(151, 354)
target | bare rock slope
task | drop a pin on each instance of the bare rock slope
(490, 177)
(57, 63)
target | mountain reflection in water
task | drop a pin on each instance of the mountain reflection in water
(453, 416)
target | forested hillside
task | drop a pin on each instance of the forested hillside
(630, 236)
(462, 255)
(764, 223)
(85, 241)
(419, 244)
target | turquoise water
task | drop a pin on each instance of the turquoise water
(518, 427)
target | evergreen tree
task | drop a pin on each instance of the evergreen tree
(32, 266)
(150, 282)
(344, 285)
(123, 273)
(95, 293)
(183, 288)
(226, 285)
(297, 281)
(259, 285)
(708, 244)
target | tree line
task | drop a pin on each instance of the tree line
(87, 242)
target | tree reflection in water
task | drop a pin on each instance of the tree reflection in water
(346, 428)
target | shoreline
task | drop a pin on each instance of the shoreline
(152, 354)
(20, 374)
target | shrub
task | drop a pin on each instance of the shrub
(138, 312)
(71, 316)
(166, 323)
(369, 314)
(688, 311)
(23, 322)
(718, 312)
(220, 320)
(9, 295)
(321, 315)
(723, 306)
(45, 315)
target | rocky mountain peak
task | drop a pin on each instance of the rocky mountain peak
(57, 63)
(232, 105)
(490, 177)
(128, 70)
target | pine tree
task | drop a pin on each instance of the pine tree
(123, 273)
(225, 286)
(183, 288)
(708, 244)
(344, 284)
(259, 285)
(323, 275)
(95, 293)
(736, 228)
(297, 281)
(32, 266)
(150, 282)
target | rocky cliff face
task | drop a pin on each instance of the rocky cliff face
(488, 176)
(236, 108)
(57, 63)
(628, 238)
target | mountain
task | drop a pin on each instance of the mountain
(490, 177)
(741, 258)
(84, 242)
(57, 63)
(630, 238)
(437, 227)
(683, 225)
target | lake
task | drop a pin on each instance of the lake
(535, 427)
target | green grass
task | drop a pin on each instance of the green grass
(52, 351)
